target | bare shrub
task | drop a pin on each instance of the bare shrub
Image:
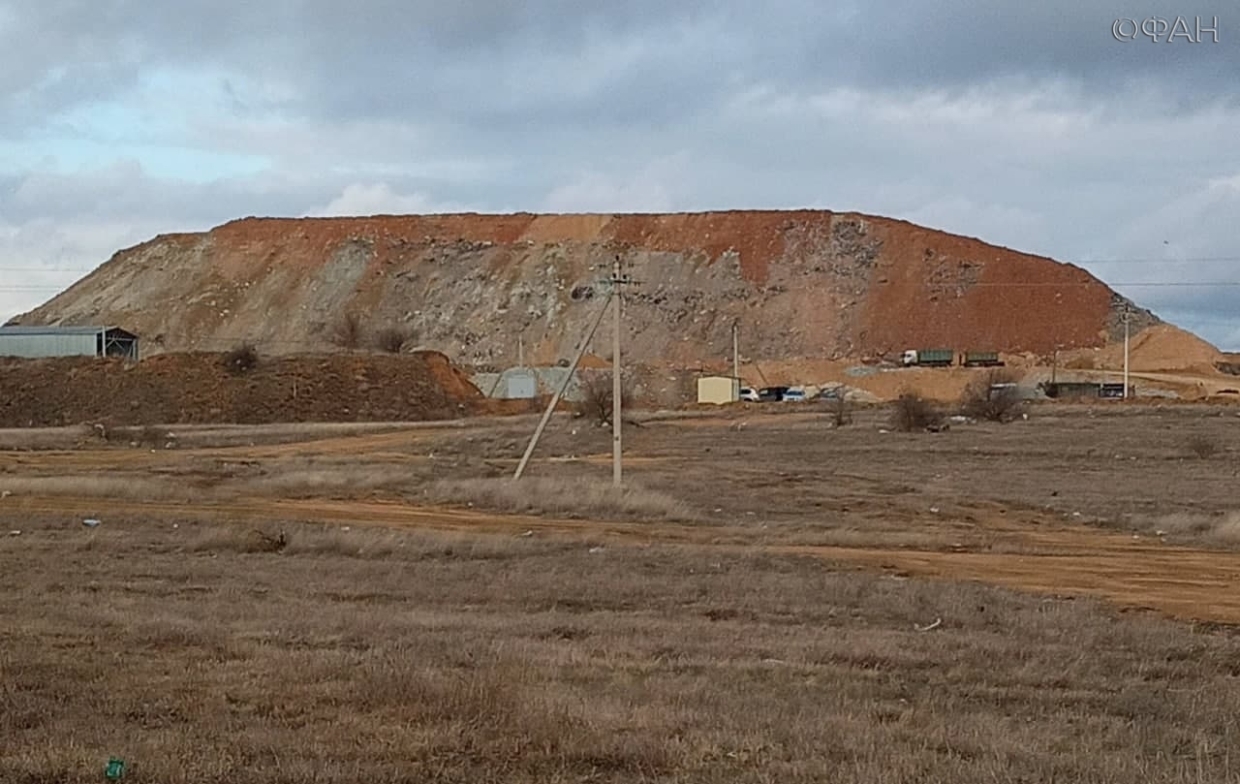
(1201, 446)
(911, 411)
(597, 397)
(241, 360)
(348, 331)
(992, 397)
(840, 410)
(392, 339)
(560, 497)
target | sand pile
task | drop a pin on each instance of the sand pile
(1161, 348)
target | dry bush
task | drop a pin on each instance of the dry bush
(597, 396)
(575, 498)
(981, 401)
(1201, 446)
(910, 411)
(840, 409)
(348, 331)
(241, 360)
(392, 339)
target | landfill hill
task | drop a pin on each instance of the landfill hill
(801, 285)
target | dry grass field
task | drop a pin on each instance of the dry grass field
(771, 599)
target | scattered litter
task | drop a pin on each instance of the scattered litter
(176, 526)
(934, 510)
(15, 533)
(598, 549)
(883, 430)
(1025, 417)
(345, 528)
(937, 623)
(718, 510)
(115, 769)
(6, 494)
(90, 522)
(528, 533)
(959, 419)
(1160, 533)
(1076, 514)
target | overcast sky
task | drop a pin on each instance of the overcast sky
(1025, 124)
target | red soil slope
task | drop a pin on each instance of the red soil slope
(197, 388)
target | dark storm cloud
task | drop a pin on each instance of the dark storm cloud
(491, 61)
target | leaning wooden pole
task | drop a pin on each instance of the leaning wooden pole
(568, 378)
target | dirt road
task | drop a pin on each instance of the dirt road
(1138, 572)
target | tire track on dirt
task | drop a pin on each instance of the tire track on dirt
(1187, 583)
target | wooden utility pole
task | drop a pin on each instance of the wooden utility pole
(736, 352)
(616, 393)
(1125, 352)
(542, 424)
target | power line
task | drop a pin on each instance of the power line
(1073, 262)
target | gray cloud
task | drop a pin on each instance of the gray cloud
(1029, 126)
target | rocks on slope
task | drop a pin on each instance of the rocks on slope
(804, 284)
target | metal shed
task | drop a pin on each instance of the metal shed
(36, 342)
(718, 389)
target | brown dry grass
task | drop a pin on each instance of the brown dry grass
(371, 656)
(1220, 529)
(1201, 446)
(591, 499)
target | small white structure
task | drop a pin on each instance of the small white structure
(718, 389)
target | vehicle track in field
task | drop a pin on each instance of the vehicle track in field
(1187, 583)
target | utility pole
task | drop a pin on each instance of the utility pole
(1125, 351)
(568, 377)
(736, 352)
(617, 306)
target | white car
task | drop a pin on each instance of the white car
(749, 395)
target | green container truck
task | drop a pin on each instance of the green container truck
(981, 359)
(930, 357)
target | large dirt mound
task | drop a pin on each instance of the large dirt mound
(801, 285)
(1163, 347)
(197, 388)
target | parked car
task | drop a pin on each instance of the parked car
(794, 396)
(749, 395)
(771, 394)
(832, 393)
